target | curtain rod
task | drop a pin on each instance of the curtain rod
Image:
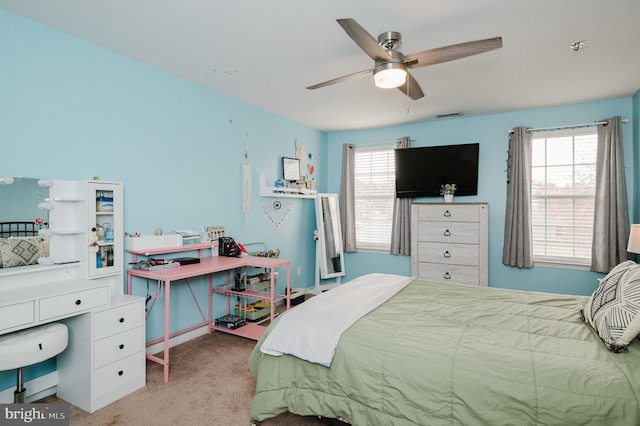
(377, 143)
(571, 126)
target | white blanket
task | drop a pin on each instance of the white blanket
(312, 330)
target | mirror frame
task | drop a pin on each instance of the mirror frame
(323, 223)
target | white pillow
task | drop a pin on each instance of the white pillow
(614, 307)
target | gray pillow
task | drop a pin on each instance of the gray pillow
(614, 307)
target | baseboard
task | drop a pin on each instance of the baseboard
(174, 341)
(37, 389)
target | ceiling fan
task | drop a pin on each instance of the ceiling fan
(391, 66)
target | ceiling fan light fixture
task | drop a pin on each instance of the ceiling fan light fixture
(390, 76)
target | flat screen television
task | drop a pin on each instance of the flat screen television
(421, 171)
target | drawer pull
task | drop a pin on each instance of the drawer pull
(447, 213)
(447, 276)
(447, 233)
(78, 302)
(121, 320)
(120, 373)
(447, 254)
(121, 346)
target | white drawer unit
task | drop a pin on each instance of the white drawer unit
(73, 303)
(449, 242)
(115, 359)
(17, 314)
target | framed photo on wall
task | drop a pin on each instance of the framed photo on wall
(291, 169)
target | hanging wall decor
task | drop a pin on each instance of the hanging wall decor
(276, 213)
(246, 178)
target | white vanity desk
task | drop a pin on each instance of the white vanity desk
(105, 357)
(24, 305)
(104, 360)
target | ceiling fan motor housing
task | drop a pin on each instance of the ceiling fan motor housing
(395, 61)
(390, 40)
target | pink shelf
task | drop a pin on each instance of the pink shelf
(165, 250)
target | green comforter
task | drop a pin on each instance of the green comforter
(443, 354)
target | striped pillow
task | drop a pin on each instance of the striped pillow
(614, 307)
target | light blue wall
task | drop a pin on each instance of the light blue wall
(491, 131)
(73, 110)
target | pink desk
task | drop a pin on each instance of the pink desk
(208, 266)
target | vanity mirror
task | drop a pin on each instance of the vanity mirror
(24, 215)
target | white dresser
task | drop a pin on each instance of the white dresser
(449, 242)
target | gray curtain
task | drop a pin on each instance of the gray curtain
(401, 225)
(347, 199)
(518, 245)
(611, 215)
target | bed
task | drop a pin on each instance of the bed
(449, 354)
(18, 229)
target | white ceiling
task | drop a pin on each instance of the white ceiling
(266, 52)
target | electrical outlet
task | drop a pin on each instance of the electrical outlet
(299, 270)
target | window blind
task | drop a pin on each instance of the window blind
(562, 195)
(374, 196)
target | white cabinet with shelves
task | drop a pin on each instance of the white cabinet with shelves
(79, 208)
(104, 201)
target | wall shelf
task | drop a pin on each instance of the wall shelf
(272, 191)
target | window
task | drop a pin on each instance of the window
(563, 194)
(375, 185)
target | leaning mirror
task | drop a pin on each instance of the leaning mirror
(329, 255)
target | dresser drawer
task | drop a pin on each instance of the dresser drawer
(117, 320)
(449, 232)
(121, 345)
(117, 374)
(449, 273)
(72, 303)
(16, 315)
(450, 254)
(449, 213)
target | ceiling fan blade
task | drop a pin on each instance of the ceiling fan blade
(341, 79)
(415, 92)
(363, 39)
(450, 53)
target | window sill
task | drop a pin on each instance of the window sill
(561, 265)
(372, 250)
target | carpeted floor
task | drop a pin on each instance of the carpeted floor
(209, 384)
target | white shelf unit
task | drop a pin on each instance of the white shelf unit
(272, 191)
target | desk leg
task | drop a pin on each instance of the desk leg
(210, 325)
(272, 293)
(167, 311)
(288, 291)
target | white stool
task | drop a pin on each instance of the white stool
(31, 346)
